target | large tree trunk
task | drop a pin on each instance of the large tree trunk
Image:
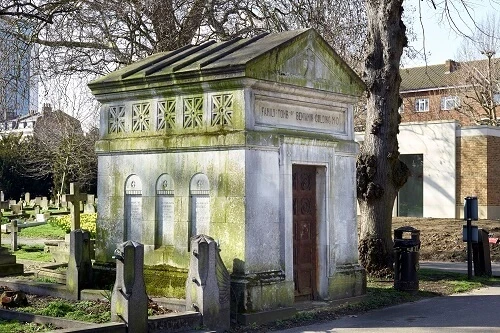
(380, 173)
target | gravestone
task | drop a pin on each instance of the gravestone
(8, 265)
(2, 196)
(44, 203)
(129, 302)
(16, 209)
(91, 199)
(4, 205)
(74, 197)
(208, 284)
(37, 210)
(12, 202)
(27, 197)
(89, 208)
(79, 272)
(261, 155)
(38, 201)
(13, 235)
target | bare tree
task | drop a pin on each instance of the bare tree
(59, 149)
(480, 79)
(380, 173)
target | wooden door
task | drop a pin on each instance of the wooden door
(304, 231)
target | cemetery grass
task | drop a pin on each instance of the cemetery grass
(47, 231)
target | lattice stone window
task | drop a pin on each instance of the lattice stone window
(193, 112)
(116, 119)
(222, 110)
(140, 117)
(165, 115)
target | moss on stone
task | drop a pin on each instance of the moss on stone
(165, 281)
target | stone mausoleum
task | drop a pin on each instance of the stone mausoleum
(249, 141)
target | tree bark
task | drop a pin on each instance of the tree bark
(380, 173)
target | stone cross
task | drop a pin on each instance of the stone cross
(13, 235)
(75, 197)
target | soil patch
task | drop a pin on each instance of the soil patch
(441, 239)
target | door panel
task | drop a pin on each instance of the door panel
(304, 231)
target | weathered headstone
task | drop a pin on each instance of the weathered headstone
(90, 198)
(8, 265)
(27, 197)
(89, 208)
(16, 209)
(40, 217)
(208, 284)
(13, 235)
(44, 203)
(4, 205)
(37, 209)
(79, 272)
(12, 202)
(75, 197)
(129, 302)
(38, 200)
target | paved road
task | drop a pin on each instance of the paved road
(477, 311)
(459, 267)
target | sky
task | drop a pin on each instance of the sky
(441, 42)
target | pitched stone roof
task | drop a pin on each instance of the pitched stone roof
(264, 57)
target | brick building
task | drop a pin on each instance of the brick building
(448, 141)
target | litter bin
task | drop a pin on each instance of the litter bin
(481, 254)
(406, 253)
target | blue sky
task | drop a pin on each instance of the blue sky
(441, 42)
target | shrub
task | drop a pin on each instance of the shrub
(87, 222)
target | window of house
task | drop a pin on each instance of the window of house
(421, 104)
(449, 102)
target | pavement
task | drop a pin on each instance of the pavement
(475, 311)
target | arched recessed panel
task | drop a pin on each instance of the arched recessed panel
(133, 185)
(200, 205)
(164, 229)
(133, 209)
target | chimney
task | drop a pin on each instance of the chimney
(450, 66)
(46, 107)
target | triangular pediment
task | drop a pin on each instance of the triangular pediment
(308, 61)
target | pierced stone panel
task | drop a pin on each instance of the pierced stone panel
(140, 117)
(222, 110)
(193, 112)
(116, 119)
(165, 115)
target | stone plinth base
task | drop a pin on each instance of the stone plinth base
(260, 292)
(8, 264)
(347, 281)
